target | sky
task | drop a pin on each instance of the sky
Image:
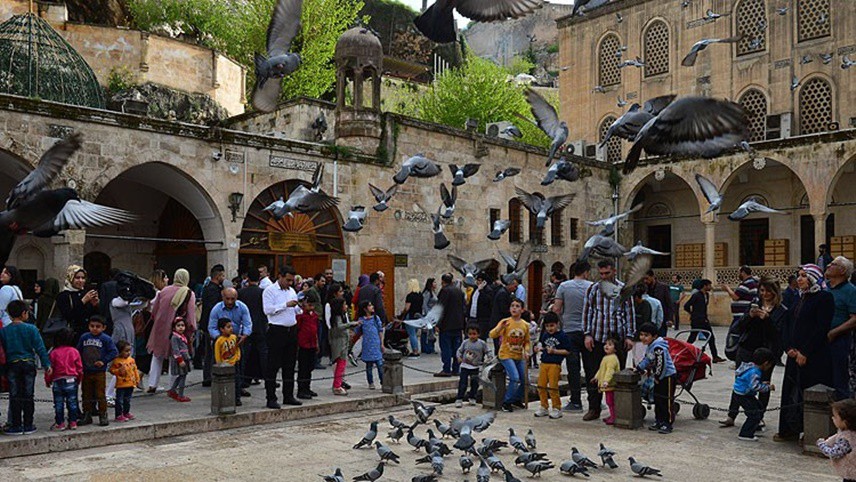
(417, 5)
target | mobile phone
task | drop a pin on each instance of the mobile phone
(753, 306)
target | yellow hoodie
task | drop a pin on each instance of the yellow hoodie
(515, 338)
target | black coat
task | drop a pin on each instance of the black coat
(252, 297)
(211, 295)
(812, 319)
(756, 333)
(484, 305)
(660, 291)
(454, 303)
(374, 295)
(501, 306)
(70, 304)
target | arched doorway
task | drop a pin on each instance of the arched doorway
(841, 220)
(535, 286)
(307, 242)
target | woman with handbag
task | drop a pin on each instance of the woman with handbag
(75, 303)
(174, 300)
(11, 280)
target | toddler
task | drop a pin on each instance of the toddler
(471, 355)
(605, 377)
(554, 346)
(226, 350)
(371, 329)
(178, 363)
(307, 348)
(747, 385)
(124, 368)
(97, 350)
(658, 363)
(839, 447)
(63, 382)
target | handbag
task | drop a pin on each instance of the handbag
(54, 325)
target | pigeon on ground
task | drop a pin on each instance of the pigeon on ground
(606, 455)
(304, 200)
(538, 466)
(500, 226)
(385, 453)
(436, 461)
(368, 438)
(691, 126)
(507, 172)
(547, 119)
(846, 63)
(631, 122)
(702, 44)
(356, 219)
(530, 440)
(32, 208)
(466, 463)
(570, 467)
(382, 197)
(416, 166)
(479, 423)
(445, 430)
(336, 477)
(516, 266)
(423, 412)
(396, 434)
(483, 472)
(438, 21)
(642, 470)
(516, 442)
(751, 206)
(543, 207)
(610, 222)
(562, 169)
(527, 457)
(415, 441)
(424, 478)
(513, 131)
(371, 475)
(449, 200)
(509, 477)
(469, 270)
(494, 463)
(639, 249)
(396, 423)
(461, 173)
(432, 440)
(493, 445)
(279, 62)
(708, 189)
(581, 459)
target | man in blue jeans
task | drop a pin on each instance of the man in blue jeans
(837, 276)
(570, 298)
(451, 325)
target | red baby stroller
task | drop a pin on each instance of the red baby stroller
(691, 364)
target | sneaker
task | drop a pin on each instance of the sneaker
(121, 418)
(542, 412)
(57, 427)
(352, 359)
(111, 402)
(473, 402)
(459, 403)
(173, 395)
(29, 430)
(665, 429)
(183, 399)
(371, 386)
(346, 385)
(728, 422)
(506, 407)
(338, 391)
(748, 439)
(572, 407)
(654, 426)
(555, 413)
(13, 431)
(72, 425)
(102, 421)
(519, 404)
(130, 416)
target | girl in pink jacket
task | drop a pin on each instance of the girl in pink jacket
(64, 379)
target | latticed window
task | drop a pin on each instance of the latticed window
(657, 49)
(613, 146)
(815, 106)
(752, 24)
(515, 231)
(609, 73)
(756, 108)
(557, 228)
(813, 19)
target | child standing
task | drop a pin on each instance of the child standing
(22, 344)
(307, 348)
(124, 368)
(839, 447)
(513, 353)
(337, 320)
(747, 385)
(63, 382)
(179, 362)
(605, 377)
(97, 350)
(658, 362)
(371, 328)
(226, 350)
(471, 355)
(554, 346)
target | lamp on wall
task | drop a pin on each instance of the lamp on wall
(235, 204)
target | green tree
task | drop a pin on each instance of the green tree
(239, 28)
(520, 65)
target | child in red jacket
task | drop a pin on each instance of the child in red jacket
(307, 348)
(64, 379)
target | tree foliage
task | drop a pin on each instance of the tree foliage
(239, 27)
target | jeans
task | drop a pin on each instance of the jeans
(379, 365)
(514, 370)
(22, 382)
(763, 397)
(282, 355)
(468, 376)
(305, 364)
(548, 384)
(752, 408)
(411, 335)
(427, 346)
(574, 365)
(123, 400)
(839, 350)
(92, 391)
(449, 343)
(65, 395)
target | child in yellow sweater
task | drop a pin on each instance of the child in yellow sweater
(513, 353)
(226, 350)
(605, 377)
(124, 368)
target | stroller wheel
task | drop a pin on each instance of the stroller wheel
(676, 407)
(701, 411)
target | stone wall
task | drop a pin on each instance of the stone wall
(291, 120)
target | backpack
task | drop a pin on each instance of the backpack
(733, 341)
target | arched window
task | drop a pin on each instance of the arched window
(815, 106)
(813, 19)
(751, 18)
(613, 147)
(756, 108)
(608, 71)
(515, 231)
(656, 49)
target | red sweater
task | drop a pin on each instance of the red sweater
(66, 363)
(307, 330)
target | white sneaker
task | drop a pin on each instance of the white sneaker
(472, 402)
(748, 439)
(555, 413)
(542, 412)
(459, 403)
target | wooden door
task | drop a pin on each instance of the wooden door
(382, 260)
(535, 287)
(753, 233)
(310, 265)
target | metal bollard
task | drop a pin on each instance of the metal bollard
(222, 389)
(393, 372)
(816, 416)
(494, 394)
(629, 412)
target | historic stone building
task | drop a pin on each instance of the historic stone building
(802, 132)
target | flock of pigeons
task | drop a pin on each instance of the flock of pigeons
(484, 457)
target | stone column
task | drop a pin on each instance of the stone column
(68, 250)
(144, 51)
(222, 389)
(816, 416)
(393, 373)
(493, 394)
(629, 412)
(709, 270)
(819, 230)
(358, 89)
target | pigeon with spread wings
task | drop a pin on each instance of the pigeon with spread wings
(547, 119)
(463, 172)
(610, 222)
(416, 166)
(516, 266)
(382, 197)
(304, 200)
(279, 62)
(469, 270)
(710, 193)
(702, 44)
(543, 207)
(438, 21)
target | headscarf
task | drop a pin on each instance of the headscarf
(814, 274)
(180, 279)
(364, 280)
(69, 276)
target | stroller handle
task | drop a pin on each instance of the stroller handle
(697, 331)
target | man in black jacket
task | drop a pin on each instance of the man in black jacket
(483, 303)
(255, 347)
(660, 291)
(211, 295)
(451, 325)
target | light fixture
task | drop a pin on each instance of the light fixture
(235, 204)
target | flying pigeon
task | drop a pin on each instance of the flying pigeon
(581, 459)
(336, 477)
(507, 172)
(570, 467)
(448, 206)
(603, 246)
(466, 463)
(371, 475)
(382, 197)
(806, 59)
(513, 131)
(631, 122)
(755, 43)
(440, 240)
(606, 455)
(543, 207)
(424, 478)
(825, 58)
(635, 272)
(547, 119)
(538, 466)
(749, 207)
(562, 169)
(685, 4)
(368, 438)
(531, 443)
(598, 89)
(639, 249)
(711, 15)
(469, 270)
(304, 200)
(465, 441)
(610, 222)
(637, 62)
(795, 82)
(517, 266)
(691, 126)
(356, 219)
(782, 10)
(710, 193)
(423, 412)
(846, 63)
(527, 457)
(702, 44)
(618, 17)
(279, 62)
(579, 5)
(32, 208)
(516, 442)
(500, 226)
(461, 173)
(642, 470)
(621, 102)
(416, 166)
(385, 453)
(483, 472)
(438, 21)
(436, 461)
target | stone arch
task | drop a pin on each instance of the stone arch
(741, 163)
(748, 15)
(816, 104)
(840, 199)
(656, 47)
(608, 72)
(13, 168)
(755, 101)
(642, 177)
(836, 178)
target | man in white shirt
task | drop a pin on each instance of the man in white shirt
(264, 277)
(279, 303)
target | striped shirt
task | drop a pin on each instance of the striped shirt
(603, 316)
(747, 292)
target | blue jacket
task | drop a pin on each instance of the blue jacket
(242, 323)
(96, 348)
(22, 342)
(658, 360)
(747, 380)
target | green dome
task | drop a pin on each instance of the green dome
(35, 61)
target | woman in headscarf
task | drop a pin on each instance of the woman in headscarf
(75, 304)
(174, 300)
(807, 347)
(11, 281)
(362, 281)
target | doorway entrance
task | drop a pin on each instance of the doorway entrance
(753, 233)
(535, 287)
(660, 239)
(382, 260)
(808, 245)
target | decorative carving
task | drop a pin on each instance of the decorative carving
(815, 103)
(660, 174)
(659, 210)
(294, 164)
(59, 131)
(609, 73)
(759, 163)
(752, 25)
(656, 49)
(755, 104)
